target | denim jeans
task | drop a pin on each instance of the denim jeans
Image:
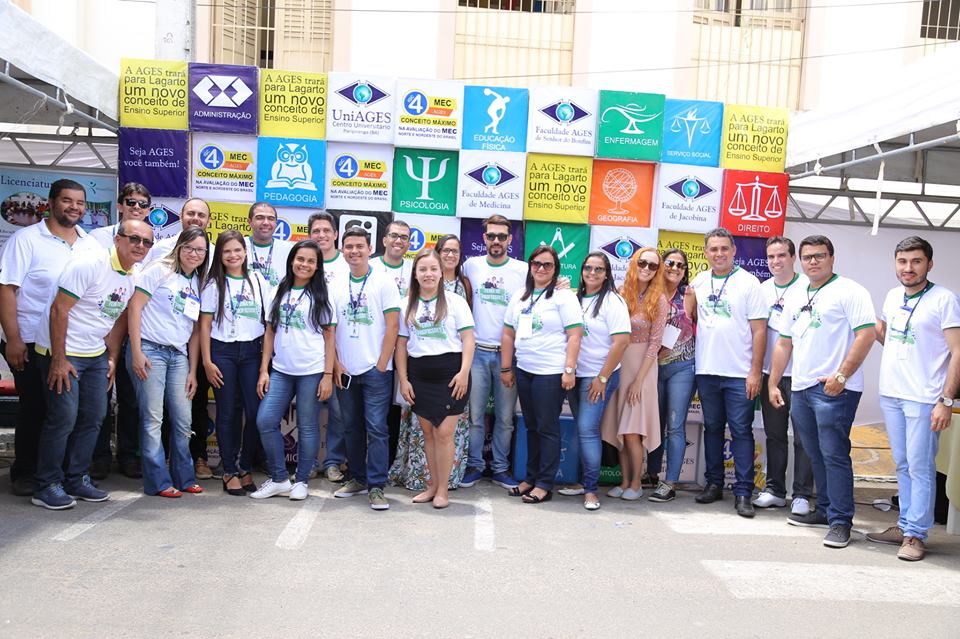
(484, 373)
(283, 388)
(165, 386)
(239, 364)
(914, 448)
(775, 422)
(336, 441)
(127, 419)
(69, 431)
(31, 410)
(724, 402)
(823, 424)
(676, 384)
(541, 400)
(364, 407)
(588, 415)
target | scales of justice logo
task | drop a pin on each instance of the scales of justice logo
(750, 196)
(692, 123)
(290, 169)
(619, 185)
(634, 114)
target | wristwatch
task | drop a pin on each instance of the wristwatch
(603, 380)
(948, 402)
(568, 370)
(840, 377)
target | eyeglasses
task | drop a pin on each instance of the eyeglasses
(136, 240)
(674, 264)
(650, 266)
(143, 204)
(594, 269)
(193, 250)
(450, 251)
(537, 265)
(397, 236)
(813, 257)
(496, 237)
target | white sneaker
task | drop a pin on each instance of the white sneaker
(615, 492)
(769, 500)
(632, 495)
(299, 491)
(800, 506)
(271, 488)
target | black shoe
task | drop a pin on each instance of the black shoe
(100, 469)
(131, 469)
(22, 486)
(814, 519)
(838, 537)
(743, 505)
(709, 494)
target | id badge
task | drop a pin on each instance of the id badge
(525, 326)
(670, 336)
(775, 321)
(191, 307)
(899, 320)
(801, 324)
(354, 330)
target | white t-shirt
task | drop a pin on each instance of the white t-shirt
(244, 309)
(493, 286)
(102, 289)
(400, 275)
(362, 304)
(838, 309)
(773, 298)
(544, 352)
(174, 297)
(724, 339)
(33, 259)
(915, 360)
(335, 272)
(270, 261)
(427, 337)
(298, 346)
(105, 234)
(613, 319)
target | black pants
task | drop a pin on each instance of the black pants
(775, 422)
(31, 411)
(127, 419)
(201, 419)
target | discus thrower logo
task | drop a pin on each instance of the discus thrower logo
(225, 91)
(564, 112)
(621, 249)
(492, 175)
(691, 188)
(362, 93)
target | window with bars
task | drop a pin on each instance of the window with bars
(529, 6)
(940, 20)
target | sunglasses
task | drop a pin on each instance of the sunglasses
(142, 204)
(650, 266)
(537, 265)
(136, 240)
(594, 269)
(496, 237)
(674, 264)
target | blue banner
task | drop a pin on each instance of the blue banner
(223, 98)
(290, 171)
(495, 119)
(691, 132)
(157, 158)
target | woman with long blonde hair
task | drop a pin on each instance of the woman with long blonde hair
(632, 421)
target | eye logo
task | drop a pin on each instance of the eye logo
(564, 112)
(491, 175)
(691, 188)
(362, 93)
(229, 91)
(622, 248)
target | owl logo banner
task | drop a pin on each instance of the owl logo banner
(290, 171)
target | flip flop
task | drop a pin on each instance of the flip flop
(516, 492)
(169, 492)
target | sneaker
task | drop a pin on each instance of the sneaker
(769, 500)
(572, 491)
(892, 535)
(351, 488)
(298, 491)
(664, 492)
(838, 537)
(632, 495)
(800, 506)
(814, 519)
(86, 491)
(616, 492)
(377, 500)
(271, 488)
(333, 474)
(53, 497)
(504, 480)
(202, 470)
(911, 550)
(471, 477)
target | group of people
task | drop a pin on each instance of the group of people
(264, 321)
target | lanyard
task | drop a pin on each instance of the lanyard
(257, 264)
(906, 307)
(715, 297)
(355, 301)
(809, 305)
(533, 301)
(234, 301)
(779, 303)
(291, 309)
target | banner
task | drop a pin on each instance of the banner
(157, 158)
(619, 244)
(292, 223)
(291, 171)
(687, 198)
(153, 94)
(165, 217)
(691, 132)
(562, 120)
(223, 98)
(570, 241)
(359, 176)
(557, 188)
(225, 216)
(752, 256)
(373, 222)
(425, 181)
(753, 203)
(491, 182)
(622, 193)
(630, 125)
(429, 114)
(425, 230)
(495, 118)
(360, 108)
(754, 138)
(293, 104)
(691, 244)
(471, 239)
(224, 167)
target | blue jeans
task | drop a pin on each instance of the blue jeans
(724, 401)
(484, 373)
(336, 436)
(165, 386)
(823, 424)
(588, 415)
(676, 384)
(914, 448)
(364, 407)
(282, 390)
(69, 431)
(541, 400)
(239, 364)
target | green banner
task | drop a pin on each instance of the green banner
(425, 181)
(630, 125)
(570, 241)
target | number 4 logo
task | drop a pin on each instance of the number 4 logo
(415, 103)
(345, 166)
(211, 157)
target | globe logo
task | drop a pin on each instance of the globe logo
(619, 185)
(362, 93)
(691, 188)
(564, 112)
(624, 249)
(158, 217)
(491, 175)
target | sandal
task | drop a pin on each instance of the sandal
(236, 492)
(195, 489)
(247, 486)
(530, 498)
(516, 492)
(170, 492)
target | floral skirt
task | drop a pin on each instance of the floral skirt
(409, 469)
